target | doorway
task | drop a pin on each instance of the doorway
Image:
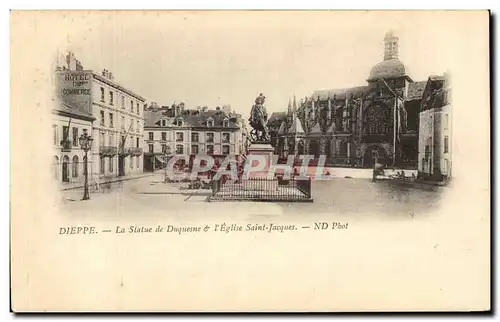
(121, 166)
(65, 169)
(374, 154)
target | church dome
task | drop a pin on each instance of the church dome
(387, 69)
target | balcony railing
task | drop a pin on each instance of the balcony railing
(136, 151)
(124, 151)
(108, 151)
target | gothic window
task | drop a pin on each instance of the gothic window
(343, 148)
(291, 147)
(338, 118)
(300, 147)
(377, 121)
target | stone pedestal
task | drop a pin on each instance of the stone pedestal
(267, 152)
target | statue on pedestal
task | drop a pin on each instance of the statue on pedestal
(258, 121)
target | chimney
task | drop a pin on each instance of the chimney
(226, 109)
(78, 65)
(71, 61)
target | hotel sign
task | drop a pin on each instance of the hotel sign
(75, 89)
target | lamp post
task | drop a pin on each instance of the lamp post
(86, 144)
(167, 153)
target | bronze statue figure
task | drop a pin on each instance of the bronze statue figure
(258, 121)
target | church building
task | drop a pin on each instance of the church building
(357, 126)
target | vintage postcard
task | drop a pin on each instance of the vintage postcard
(250, 161)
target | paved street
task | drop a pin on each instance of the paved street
(149, 198)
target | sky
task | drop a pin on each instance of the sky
(215, 58)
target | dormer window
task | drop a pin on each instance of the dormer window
(210, 122)
(179, 122)
(163, 123)
(225, 123)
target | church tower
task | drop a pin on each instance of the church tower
(391, 46)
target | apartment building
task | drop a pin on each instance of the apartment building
(117, 148)
(179, 131)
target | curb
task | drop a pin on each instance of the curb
(119, 179)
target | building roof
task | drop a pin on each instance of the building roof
(296, 126)
(416, 90)
(119, 87)
(276, 121)
(316, 128)
(199, 118)
(435, 94)
(331, 128)
(436, 78)
(339, 93)
(281, 130)
(387, 69)
(277, 116)
(191, 118)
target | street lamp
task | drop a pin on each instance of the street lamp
(86, 144)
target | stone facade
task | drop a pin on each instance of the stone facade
(186, 132)
(117, 129)
(435, 148)
(68, 124)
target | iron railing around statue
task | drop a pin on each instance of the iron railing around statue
(275, 189)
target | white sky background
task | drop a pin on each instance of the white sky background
(201, 57)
